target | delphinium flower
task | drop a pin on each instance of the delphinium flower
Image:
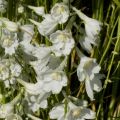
(8, 108)
(46, 61)
(73, 111)
(60, 12)
(92, 26)
(38, 10)
(47, 26)
(9, 41)
(92, 30)
(85, 41)
(88, 72)
(11, 26)
(62, 41)
(3, 6)
(54, 81)
(9, 71)
(35, 95)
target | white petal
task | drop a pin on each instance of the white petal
(57, 112)
(37, 10)
(89, 89)
(87, 113)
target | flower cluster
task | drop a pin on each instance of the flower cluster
(40, 71)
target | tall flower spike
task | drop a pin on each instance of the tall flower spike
(60, 12)
(38, 10)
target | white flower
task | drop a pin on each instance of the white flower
(9, 70)
(86, 42)
(11, 26)
(3, 6)
(92, 26)
(35, 95)
(73, 112)
(63, 42)
(87, 71)
(54, 81)
(38, 10)
(9, 41)
(47, 26)
(60, 12)
(37, 101)
(45, 62)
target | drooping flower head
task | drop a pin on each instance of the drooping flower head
(88, 71)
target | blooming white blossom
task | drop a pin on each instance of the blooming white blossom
(35, 95)
(54, 81)
(85, 41)
(9, 41)
(73, 112)
(3, 6)
(60, 12)
(63, 42)
(11, 26)
(38, 10)
(47, 26)
(45, 62)
(92, 26)
(87, 71)
(9, 70)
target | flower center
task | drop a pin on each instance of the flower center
(76, 112)
(7, 42)
(56, 76)
(62, 37)
(60, 10)
(88, 64)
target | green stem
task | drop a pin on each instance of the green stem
(109, 42)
